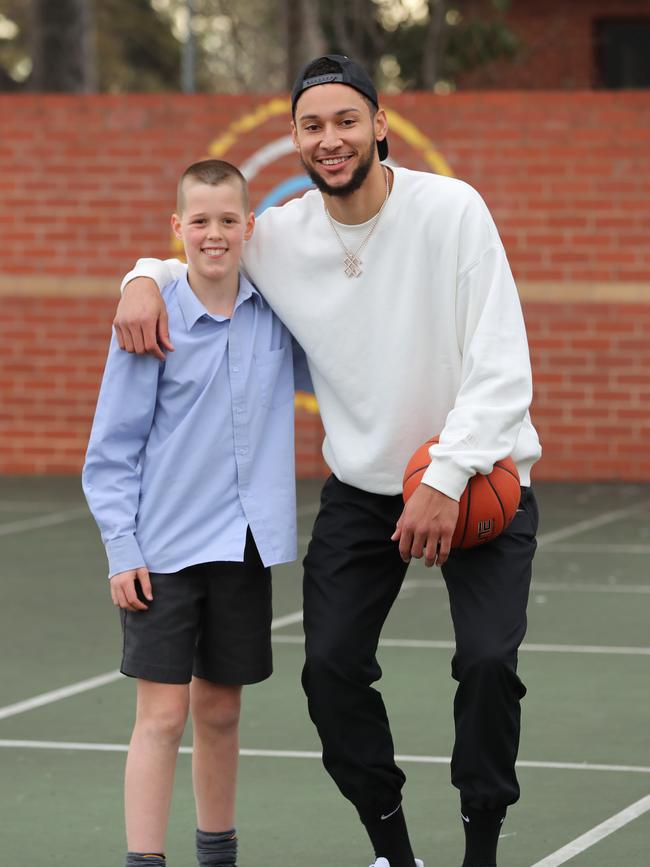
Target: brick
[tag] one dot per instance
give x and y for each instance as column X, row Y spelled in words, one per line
column 565, row 179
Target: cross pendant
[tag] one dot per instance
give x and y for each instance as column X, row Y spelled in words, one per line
column 352, row 265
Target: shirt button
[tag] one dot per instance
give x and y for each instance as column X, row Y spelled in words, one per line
column 243, row 451
column 235, row 369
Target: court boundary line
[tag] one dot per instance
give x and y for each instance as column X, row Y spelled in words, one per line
column 540, row 586
column 406, row 758
column 89, row 683
column 590, row 523
column 430, row 644
column 49, row 520
column 602, row 548
column 55, row 695
column 596, row 834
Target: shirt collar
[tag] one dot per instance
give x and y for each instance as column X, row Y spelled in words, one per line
column 192, row 309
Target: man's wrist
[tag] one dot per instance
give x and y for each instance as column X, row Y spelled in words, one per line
column 150, row 284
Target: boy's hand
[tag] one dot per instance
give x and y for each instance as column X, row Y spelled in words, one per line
column 426, row 526
column 140, row 322
column 123, row 589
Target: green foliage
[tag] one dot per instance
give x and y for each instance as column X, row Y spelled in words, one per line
column 246, row 45
column 136, row 49
column 15, row 63
column 477, row 42
column 480, row 36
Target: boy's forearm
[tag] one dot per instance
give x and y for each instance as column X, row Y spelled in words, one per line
column 110, row 477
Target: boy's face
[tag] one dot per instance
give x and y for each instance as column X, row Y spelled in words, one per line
column 213, row 226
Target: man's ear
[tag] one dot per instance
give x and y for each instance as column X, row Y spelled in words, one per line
column 294, row 136
column 381, row 125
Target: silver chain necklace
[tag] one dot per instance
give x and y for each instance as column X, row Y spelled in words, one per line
column 352, row 263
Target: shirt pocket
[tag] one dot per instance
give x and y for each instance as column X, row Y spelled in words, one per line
column 275, row 377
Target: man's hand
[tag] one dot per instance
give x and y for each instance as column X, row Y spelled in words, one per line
column 141, row 320
column 123, row 589
column 426, row 526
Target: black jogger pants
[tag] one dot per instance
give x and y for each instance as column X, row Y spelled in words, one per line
column 353, row 573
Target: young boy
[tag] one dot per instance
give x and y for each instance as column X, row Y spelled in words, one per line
column 190, row 476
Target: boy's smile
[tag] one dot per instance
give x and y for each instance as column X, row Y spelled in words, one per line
column 214, row 252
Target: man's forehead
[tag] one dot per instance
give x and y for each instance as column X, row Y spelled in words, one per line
column 328, row 99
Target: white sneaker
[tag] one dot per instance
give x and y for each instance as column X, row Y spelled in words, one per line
column 382, row 862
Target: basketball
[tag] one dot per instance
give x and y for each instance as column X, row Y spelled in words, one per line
column 487, row 504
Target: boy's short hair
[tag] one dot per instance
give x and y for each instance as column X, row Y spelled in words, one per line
column 212, row 172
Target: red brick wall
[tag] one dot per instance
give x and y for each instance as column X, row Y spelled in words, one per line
column 557, row 39
column 88, row 183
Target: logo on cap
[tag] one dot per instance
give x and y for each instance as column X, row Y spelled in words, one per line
column 322, row 79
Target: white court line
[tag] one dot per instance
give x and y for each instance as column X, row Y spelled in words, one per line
column 427, row 644
column 316, row 754
column 546, row 586
column 575, row 587
column 287, row 620
column 58, row 694
column 590, row 524
column 43, row 521
column 566, row 853
column 30, row 505
column 82, row 511
column 102, row 680
column 29, row 508
column 613, row 548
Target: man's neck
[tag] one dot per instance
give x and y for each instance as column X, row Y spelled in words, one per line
column 219, row 297
column 362, row 205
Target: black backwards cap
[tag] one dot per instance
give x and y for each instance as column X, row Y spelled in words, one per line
column 349, row 73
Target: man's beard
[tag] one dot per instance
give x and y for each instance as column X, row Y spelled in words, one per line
column 356, row 181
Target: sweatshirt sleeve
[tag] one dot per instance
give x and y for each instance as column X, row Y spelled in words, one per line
column 161, row 271
column 111, row 473
column 496, row 382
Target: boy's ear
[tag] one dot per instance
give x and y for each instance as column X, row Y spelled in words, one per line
column 176, row 226
column 250, row 225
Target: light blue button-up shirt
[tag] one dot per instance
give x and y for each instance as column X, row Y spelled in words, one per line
column 184, row 455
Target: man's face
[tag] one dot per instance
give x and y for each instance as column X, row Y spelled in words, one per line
column 335, row 135
column 213, row 226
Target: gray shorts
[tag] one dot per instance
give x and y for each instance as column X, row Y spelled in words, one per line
column 212, row 620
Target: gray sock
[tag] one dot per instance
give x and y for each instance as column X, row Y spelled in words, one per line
column 145, row 859
column 216, row 849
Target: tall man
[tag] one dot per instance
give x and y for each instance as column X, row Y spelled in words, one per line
column 397, row 286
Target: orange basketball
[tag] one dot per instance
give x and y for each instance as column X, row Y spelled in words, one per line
column 487, row 505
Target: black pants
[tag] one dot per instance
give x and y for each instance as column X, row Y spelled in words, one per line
column 353, row 573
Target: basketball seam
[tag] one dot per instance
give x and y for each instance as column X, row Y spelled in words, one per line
column 496, row 494
column 417, row 470
column 506, row 470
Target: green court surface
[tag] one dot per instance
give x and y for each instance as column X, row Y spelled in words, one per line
column 585, row 751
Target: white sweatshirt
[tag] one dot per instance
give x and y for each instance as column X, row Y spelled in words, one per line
column 430, row 339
